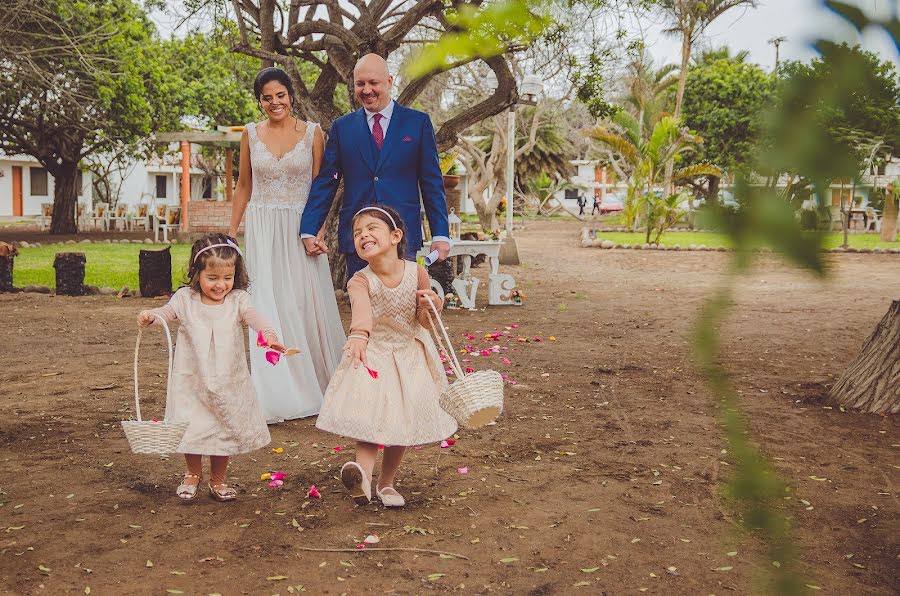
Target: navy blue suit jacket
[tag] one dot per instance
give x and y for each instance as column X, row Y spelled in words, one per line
column 406, row 165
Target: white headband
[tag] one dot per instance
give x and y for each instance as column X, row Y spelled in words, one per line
column 394, row 223
column 227, row 244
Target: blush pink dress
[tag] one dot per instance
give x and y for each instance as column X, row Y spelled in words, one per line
column 211, row 387
column 401, row 406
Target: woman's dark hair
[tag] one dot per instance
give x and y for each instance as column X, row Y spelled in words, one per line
column 226, row 254
column 380, row 215
column 269, row 74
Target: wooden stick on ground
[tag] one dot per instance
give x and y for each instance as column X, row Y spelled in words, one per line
column 383, row 548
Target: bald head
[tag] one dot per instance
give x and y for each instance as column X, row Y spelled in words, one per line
column 372, row 82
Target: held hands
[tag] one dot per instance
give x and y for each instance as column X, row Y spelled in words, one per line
column 315, row 246
column 355, row 348
column 145, row 318
column 442, row 247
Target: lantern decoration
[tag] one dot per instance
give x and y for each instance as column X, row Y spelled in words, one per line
column 455, row 224
column 452, row 301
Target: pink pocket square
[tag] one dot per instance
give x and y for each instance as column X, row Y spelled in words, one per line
column 407, row 139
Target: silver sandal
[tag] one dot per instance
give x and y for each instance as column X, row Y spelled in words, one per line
column 187, row 492
column 222, row 492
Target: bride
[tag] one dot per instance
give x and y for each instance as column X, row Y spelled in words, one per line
column 279, row 158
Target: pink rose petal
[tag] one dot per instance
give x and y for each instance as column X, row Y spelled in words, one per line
column 313, row 493
column 260, row 340
column 372, row 373
column 463, row 470
column 506, row 361
column 469, row 369
column 278, row 475
column 360, row 546
column 338, row 448
column 273, row 357
column 444, row 444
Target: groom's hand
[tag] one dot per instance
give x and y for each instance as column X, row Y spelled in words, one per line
column 442, row 247
column 314, row 247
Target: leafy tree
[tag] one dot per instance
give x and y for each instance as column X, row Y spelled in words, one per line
column 861, row 128
column 78, row 79
column 688, row 19
column 725, row 102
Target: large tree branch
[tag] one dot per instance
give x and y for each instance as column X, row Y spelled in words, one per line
column 505, row 96
column 410, row 19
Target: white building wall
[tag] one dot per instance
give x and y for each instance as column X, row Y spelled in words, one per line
column 31, row 204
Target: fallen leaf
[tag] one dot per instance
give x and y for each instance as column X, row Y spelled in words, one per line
column 372, row 539
column 580, row 584
column 177, row 573
column 590, row 570
column 723, row 568
column 813, row 587
column 635, row 540
column 149, row 563
column 103, row 387
column 275, row 578
column 732, row 553
column 435, row 576
column 509, row 560
column 135, row 526
column 173, row 591
column 44, row 568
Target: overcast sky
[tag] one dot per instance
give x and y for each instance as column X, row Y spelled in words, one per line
column 801, row 21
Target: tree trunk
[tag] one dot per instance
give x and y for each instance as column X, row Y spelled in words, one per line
column 336, row 259
column 871, row 383
column 712, row 192
column 69, row 273
column 65, row 197
column 6, row 273
column 155, row 272
column 889, row 219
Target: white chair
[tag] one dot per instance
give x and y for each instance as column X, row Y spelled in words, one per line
column 140, row 217
column 46, row 215
column 118, row 215
column 171, row 220
column 100, row 216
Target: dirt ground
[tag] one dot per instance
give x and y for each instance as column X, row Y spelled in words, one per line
column 604, row 471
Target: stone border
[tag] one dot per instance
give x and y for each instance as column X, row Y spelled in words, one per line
column 26, row 244
column 588, row 242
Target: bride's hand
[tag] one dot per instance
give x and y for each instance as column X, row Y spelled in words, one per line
column 313, row 247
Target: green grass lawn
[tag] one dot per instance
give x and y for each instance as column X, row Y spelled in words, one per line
column 713, row 239
column 116, row 265
column 113, row 265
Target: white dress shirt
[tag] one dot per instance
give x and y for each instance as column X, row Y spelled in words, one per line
column 386, row 115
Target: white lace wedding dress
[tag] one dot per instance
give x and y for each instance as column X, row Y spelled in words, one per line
column 292, row 289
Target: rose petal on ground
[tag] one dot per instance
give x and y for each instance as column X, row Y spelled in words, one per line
column 444, row 444
column 313, row 493
column 372, row 539
column 278, row 475
column 462, row 470
column 338, row 448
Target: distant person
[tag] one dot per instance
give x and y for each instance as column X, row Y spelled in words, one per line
column 596, row 208
column 582, row 203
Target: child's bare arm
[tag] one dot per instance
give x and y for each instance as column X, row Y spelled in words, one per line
column 423, row 294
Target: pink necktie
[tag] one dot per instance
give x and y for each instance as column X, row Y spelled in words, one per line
column 377, row 132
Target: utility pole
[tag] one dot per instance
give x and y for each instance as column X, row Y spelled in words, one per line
column 776, row 41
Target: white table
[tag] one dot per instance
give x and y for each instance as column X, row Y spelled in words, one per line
column 500, row 285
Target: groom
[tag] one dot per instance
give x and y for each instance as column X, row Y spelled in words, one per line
column 386, row 153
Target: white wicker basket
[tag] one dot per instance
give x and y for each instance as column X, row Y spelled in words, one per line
column 474, row 399
column 153, row 436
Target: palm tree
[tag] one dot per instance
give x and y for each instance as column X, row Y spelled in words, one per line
column 647, row 89
column 709, row 55
column 647, row 159
column 689, row 19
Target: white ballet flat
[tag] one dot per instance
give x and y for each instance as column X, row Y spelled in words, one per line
column 390, row 497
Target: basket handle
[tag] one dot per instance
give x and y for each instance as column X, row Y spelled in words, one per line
column 137, row 345
column 454, row 362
